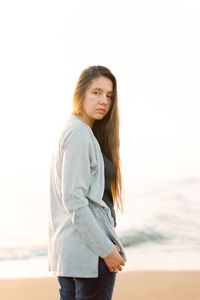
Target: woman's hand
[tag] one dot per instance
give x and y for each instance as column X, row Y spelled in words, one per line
column 114, row 260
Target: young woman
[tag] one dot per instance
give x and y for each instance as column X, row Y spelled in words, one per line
column 85, row 252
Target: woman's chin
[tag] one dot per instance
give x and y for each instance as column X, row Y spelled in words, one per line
column 99, row 116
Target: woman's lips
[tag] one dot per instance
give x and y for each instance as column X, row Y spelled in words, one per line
column 101, row 111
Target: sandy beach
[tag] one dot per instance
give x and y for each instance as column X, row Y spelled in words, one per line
column 136, row 285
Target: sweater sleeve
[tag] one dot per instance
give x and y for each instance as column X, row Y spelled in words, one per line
column 76, row 175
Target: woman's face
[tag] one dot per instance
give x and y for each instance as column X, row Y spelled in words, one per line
column 97, row 101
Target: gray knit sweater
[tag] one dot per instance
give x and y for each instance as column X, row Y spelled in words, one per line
column 81, row 227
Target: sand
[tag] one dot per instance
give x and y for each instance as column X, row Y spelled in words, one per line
column 137, row 285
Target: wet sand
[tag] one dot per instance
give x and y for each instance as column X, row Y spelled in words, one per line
column 136, row 285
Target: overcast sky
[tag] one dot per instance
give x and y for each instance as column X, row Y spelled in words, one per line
column 153, row 49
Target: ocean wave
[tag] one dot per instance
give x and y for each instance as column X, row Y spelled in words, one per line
column 138, row 237
column 22, row 252
column 128, row 239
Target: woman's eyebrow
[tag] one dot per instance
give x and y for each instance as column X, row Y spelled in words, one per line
column 96, row 88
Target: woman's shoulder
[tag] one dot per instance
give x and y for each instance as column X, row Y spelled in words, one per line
column 75, row 129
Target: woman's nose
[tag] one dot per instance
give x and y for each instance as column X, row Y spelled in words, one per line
column 104, row 99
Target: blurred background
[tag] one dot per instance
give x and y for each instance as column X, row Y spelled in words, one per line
column 153, row 49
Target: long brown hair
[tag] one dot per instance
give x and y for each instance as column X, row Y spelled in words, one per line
column 106, row 130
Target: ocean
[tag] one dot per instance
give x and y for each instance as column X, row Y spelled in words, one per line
column 159, row 228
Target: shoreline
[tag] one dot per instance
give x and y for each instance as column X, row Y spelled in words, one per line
column 130, row 285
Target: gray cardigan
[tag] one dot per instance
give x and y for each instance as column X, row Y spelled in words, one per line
column 81, row 227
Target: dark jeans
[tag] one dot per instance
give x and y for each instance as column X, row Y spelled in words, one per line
column 100, row 288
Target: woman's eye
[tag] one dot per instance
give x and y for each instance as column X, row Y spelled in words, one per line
column 97, row 93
